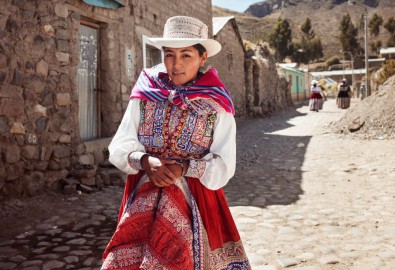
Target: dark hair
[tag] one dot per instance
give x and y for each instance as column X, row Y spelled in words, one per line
column 200, row 49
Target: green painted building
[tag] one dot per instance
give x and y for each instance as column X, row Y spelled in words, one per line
column 297, row 82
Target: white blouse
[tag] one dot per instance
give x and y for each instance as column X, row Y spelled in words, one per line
column 220, row 162
column 316, row 89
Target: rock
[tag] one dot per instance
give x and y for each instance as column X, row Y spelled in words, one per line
column 53, row 265
column 356, row 125
column 70, row 189
column 287, row 262
column 85, row 188
column 63, row 99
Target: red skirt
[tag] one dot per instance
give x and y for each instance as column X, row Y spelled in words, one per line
column 157, row 229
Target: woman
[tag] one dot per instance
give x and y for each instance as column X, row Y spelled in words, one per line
column 177, row 144
column 316, row 100
column 343, row 97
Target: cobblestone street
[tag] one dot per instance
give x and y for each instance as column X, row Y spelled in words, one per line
column 303, row 198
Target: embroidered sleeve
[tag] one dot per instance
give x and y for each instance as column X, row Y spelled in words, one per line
column 196, row 168
column 125, row 140
column 134, row 160
column 219, row 165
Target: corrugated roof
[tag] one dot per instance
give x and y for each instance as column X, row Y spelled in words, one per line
column 291, row 65
column 219, row 23
column 338, row 72
column 387, row 50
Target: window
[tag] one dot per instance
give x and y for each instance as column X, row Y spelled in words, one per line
column 151, row 55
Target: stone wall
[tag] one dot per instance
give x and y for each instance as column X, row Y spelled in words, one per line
column 267, row 89
column 229, row 63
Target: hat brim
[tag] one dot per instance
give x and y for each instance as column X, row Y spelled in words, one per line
column 212, row 46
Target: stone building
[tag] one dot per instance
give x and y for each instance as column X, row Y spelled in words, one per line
column 66, row 67
column 229, row 62
column 257, row 87
column 296, row 81
column 267, row 89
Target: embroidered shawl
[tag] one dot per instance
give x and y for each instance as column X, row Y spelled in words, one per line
column 205, row 94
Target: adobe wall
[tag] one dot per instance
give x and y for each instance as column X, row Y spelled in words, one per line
column 229, row 63
column 267, row 89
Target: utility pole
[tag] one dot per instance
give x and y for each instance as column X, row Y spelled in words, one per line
column 367, row 89
column 352, row 66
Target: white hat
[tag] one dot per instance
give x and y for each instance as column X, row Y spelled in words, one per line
column 183, row 31
column 314, row 82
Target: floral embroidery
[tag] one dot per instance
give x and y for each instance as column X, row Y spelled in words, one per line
column 170, row 132
column 196, row 168
column 134, row 160
column 155, row 232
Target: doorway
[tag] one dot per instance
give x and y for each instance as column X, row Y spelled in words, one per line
column 88, row 95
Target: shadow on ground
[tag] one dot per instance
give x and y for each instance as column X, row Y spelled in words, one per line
column 268, row 170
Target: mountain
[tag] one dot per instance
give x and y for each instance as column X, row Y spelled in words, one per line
column 325, row 16
column 263, row 8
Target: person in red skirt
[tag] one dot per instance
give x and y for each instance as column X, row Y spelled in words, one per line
column 316, row 97
column 177, row 144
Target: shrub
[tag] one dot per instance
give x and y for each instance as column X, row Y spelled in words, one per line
column 386, row 71
column 334, row 60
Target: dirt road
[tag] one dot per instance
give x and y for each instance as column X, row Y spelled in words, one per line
column 303, row 198
column 308, row 199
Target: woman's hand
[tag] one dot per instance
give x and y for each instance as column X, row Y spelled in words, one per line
column 161, row 172
column 176, row 169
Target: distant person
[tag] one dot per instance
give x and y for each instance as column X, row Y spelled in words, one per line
column 343, row 96
column 316, row 97
column 362, row 91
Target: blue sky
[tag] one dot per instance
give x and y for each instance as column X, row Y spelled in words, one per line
column 236, row 5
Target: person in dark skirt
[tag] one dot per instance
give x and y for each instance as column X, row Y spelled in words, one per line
column 343, row 96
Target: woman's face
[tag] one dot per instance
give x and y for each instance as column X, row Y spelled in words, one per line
column 182, row 64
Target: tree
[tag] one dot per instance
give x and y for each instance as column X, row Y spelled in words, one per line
column 375, row 46
column 309, row 47
column 299, row 54
column 280, row 38
column 374, row 25
column 316, row 49
column 307, row 29
column 374, row 29
column 387, row 71
column 390, row 27
column 348, row 35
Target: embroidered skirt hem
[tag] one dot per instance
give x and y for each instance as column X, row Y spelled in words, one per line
column 158, row 228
